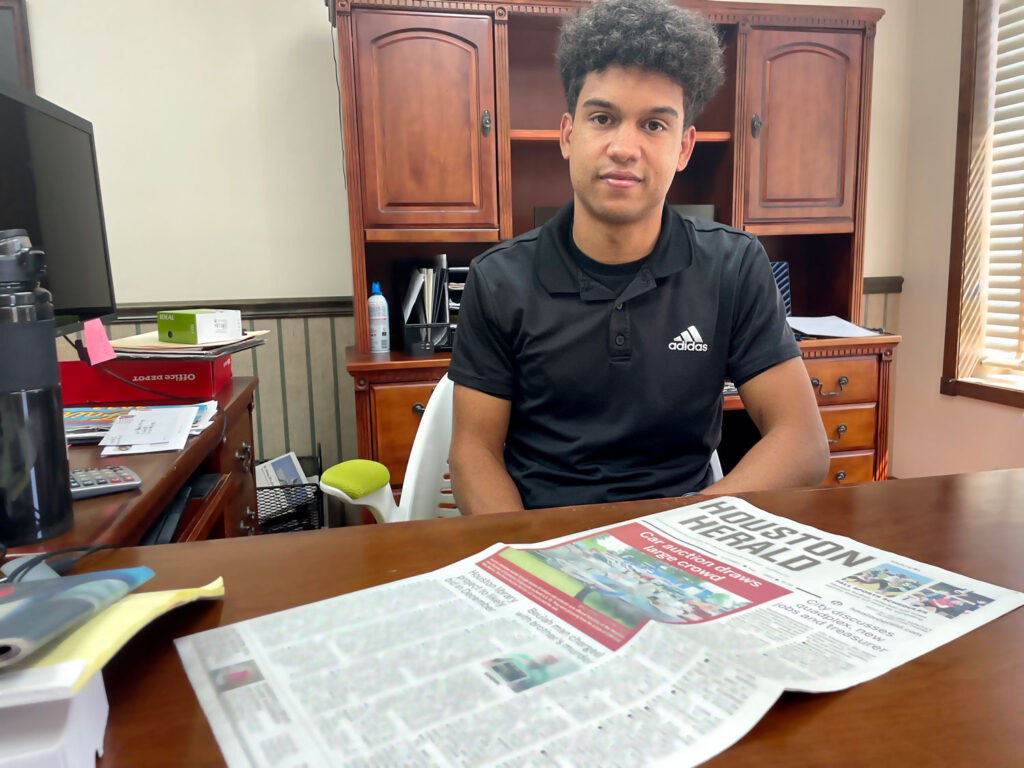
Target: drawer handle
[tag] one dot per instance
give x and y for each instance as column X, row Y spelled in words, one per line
column 840, row 476
column 843, row 381
column 418, row 409
column 839, row 433
column 244, row 455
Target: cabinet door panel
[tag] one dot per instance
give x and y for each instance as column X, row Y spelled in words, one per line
column 424, row 82
column 804, row 88
column 397, row 409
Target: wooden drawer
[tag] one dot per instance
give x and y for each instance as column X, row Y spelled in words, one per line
column 852, row 467
column 844, row 380
column 234, row 457
column 849, row 427
column 397, row 409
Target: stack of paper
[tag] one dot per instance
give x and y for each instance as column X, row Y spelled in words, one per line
column 828, row 326
column 147, row 345
column 90, row 424
column 155, row 429
column 53, row 707
column 426, row 298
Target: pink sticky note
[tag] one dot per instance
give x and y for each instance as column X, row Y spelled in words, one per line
column 97, row 345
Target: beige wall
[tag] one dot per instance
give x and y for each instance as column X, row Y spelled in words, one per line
column 217, row 135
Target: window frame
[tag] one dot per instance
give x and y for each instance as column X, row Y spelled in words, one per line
column 972, row 127
column 22, row 50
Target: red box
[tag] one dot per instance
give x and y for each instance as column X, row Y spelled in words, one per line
column 82, row 383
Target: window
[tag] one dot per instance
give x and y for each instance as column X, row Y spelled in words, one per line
column 984, row 353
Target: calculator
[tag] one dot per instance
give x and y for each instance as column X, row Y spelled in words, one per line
column 97, row 481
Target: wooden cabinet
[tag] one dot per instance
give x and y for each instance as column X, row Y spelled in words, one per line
column 850, row 378
column 390, row 397
column 233, row 458
column 803, row 96
column 425, row 84
column 398, row 408
column 227, row 509
column 423, row 178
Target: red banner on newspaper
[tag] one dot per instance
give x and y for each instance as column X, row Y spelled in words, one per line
column 609, row 585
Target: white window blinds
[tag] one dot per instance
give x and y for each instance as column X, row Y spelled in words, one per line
column 1002, row 352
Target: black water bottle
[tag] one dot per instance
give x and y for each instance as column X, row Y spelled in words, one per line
column 35, row 495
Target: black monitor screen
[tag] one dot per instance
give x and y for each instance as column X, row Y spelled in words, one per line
column 49, row 187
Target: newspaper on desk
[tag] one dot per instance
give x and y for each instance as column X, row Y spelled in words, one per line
column 660, row 641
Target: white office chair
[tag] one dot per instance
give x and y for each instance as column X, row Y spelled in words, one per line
column 427, row 490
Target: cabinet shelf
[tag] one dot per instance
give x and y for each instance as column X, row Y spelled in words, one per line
column 529, row 134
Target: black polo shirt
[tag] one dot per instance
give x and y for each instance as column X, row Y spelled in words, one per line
column 617, row 397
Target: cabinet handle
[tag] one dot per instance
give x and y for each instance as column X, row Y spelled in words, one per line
column 839, row 433
column 843, row 381
column 485, row 123
column 244, row 455
column 755, row 125
column 840, row 476
column 418, row 409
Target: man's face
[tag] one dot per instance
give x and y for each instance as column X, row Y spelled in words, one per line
column 625, row 144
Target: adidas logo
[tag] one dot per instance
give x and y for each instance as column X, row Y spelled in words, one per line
column 688, row 341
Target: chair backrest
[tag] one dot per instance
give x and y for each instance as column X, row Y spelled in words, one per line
column 427, row 488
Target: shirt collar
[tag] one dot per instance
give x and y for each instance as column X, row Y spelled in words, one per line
column 558, row 273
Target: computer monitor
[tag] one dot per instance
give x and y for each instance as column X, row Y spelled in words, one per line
column 49, row 186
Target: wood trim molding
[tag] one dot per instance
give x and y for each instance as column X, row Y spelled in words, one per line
column 814, row 349
column 822, row 17
column 860, row 193
column 497, row 8
column 327, row 306
column 962, row 159
column 988, row 392
column 353, row 177
column 21, row 42
column 504, row 128
column 971, row 129
column 882, row 416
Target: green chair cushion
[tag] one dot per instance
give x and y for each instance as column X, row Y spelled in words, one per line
column 357, row 477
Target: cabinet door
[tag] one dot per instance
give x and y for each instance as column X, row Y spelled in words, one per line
column 397, row 409
column 425, row 96
column 803, row 102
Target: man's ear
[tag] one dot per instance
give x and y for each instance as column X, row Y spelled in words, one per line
column 686, row 147
column 565, row 134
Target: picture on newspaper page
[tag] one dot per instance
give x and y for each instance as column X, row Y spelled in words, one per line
column 659, row 641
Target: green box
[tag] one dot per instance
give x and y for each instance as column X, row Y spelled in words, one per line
column 199, row 326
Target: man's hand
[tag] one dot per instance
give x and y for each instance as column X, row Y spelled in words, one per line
column 793, row 449
column 480, row 482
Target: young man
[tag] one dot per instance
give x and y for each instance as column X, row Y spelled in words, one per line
column 591, row 352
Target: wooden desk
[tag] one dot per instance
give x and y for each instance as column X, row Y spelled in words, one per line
column 958, row 705
column 122, row 518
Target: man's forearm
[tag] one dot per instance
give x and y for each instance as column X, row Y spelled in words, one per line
column 482, row 485
column 783, row 460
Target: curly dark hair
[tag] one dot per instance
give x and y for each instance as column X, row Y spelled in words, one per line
column 650, row 34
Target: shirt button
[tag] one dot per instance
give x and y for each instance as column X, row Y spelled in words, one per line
column 619, row 340
column 618, row 306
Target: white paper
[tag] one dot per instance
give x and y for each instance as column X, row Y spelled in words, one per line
column 152, row 426
column 284, row 470
column 829, row 325
column 411, row 294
